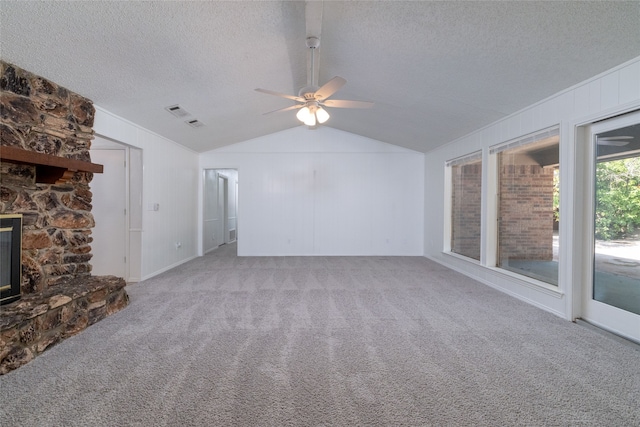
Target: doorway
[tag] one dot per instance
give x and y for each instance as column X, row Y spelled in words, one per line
column 220, row 203
column 611, row 298
column 117, row 210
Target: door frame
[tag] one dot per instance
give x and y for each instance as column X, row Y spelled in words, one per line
column 613, row 319
column 225, row 209
column 133, row 228
column 207, row 197
column 119, row 199
column 225, row 176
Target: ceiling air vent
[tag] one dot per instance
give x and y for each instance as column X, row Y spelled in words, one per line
column 177, row 111
column 195, row 123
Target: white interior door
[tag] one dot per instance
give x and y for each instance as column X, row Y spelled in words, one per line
column 210, row 199
column 222, row 201
column 109, row 204
column 611, row 298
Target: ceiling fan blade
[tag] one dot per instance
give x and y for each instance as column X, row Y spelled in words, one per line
column 282, row 95
column 293, row 107
column 329, row 88
column 341, row 103
column 616, row 141
column 614, row 138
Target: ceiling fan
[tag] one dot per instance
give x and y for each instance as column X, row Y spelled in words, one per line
column 616, row 141
column 311, row 99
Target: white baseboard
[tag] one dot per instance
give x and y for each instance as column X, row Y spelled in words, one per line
column 155, row 273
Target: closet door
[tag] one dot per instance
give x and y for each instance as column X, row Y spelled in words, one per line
column 109, row 246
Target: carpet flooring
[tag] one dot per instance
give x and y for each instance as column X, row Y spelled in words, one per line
column 326, row 341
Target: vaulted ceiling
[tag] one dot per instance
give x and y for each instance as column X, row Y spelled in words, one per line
column 435, row 70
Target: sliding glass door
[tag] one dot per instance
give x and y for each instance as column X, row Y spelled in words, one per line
column 612, row 297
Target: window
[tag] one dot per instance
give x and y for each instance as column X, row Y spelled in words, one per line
column 528, row 211
column 466, row 190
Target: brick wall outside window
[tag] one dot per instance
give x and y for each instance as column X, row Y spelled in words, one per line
column 526, row 212
column 466, row 209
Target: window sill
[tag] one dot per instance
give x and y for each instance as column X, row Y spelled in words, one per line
column 518, row 279
column 462, row 257
column 529, row 282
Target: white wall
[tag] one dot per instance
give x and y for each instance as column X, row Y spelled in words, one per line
column 325, row 192
column 611, row 93
column 170, row 180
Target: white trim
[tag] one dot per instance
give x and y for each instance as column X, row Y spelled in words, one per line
column 573, row 178
column 129, row 266
column 165, row 269
column 468, row 158
column 448, row 209
column 530, row 282
column 567, row 194
column 613, row 319
column 471, row 158
column 489, row 217
column 462, row 257
column 492, row 242
column 525, row 139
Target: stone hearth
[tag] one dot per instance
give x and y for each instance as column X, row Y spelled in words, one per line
column 38, row 321
column 60, row 297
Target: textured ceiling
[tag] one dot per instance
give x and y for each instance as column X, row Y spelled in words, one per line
column 435, row 70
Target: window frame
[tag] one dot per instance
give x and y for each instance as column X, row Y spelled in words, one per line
column 491, row 258
column 448, row 204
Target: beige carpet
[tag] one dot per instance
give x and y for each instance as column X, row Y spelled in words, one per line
column 319, row 341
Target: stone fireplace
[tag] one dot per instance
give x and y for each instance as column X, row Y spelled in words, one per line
column 45, row 171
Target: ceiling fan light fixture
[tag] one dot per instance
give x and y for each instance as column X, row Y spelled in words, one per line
column 303, row 114
column 312, row 98
column 322, row 115
column 311, row 114
column 311, row 120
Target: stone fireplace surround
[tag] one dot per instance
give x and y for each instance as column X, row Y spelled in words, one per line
column 60, row 297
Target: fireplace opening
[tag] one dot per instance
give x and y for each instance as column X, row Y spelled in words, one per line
column 10, row 257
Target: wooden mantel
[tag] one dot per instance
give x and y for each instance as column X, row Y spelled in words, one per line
column 49, row 169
